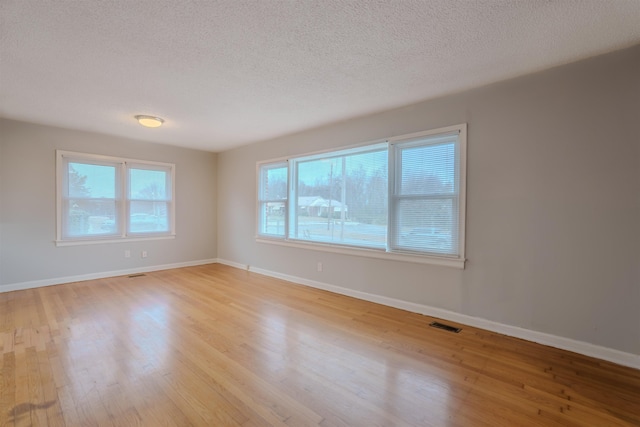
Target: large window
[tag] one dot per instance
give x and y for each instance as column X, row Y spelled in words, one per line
column 104, row 198
column 403, row 198
column 341, row 197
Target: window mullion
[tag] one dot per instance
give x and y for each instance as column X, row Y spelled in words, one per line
column 393, row 167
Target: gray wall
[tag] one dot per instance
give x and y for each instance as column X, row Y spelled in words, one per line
column 28, row 203
column 553, row 204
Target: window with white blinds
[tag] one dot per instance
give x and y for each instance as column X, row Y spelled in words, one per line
column 404, row 197
column 425, row 200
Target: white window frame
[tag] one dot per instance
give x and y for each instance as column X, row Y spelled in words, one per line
column 122, row 199
column 390, row 252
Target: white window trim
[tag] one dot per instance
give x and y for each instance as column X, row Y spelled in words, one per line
column 93, row 240
column 395, row 255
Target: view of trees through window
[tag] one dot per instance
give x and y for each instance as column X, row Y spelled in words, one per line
column 342, row 199
column 91, row 204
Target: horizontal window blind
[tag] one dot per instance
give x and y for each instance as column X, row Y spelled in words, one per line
column 425, row 195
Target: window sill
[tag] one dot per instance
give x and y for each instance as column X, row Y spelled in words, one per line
column 369, row 253
column 111, row 240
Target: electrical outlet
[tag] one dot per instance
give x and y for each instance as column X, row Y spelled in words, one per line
column 319, row 266
column 127, row 253
column 143, row 254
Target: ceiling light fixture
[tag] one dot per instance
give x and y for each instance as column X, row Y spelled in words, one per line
column 149, row 121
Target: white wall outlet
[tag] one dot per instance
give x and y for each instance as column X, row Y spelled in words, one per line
column 143, row 254
column 319, row 266
column 127, row 253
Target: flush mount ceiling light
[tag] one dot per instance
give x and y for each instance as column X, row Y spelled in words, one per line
column 149, row 121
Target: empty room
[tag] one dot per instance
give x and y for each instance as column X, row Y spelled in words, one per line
column 320, row 213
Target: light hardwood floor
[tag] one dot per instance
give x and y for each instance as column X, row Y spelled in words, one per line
column 217, row 346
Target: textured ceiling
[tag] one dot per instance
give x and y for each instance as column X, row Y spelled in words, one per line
column 230, row 72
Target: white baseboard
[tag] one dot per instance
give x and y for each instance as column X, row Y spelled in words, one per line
column 581, row 347
column 239, row 266
column 101, row 275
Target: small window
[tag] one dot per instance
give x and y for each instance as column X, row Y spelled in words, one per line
column 272, row 199
column 104, row 198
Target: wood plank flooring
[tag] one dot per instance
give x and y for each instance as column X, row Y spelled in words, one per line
column 217, row 346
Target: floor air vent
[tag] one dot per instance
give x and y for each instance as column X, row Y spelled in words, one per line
column 136, row 275
column 445, row 327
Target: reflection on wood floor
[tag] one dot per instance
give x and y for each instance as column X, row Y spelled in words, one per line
column 217, row 346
